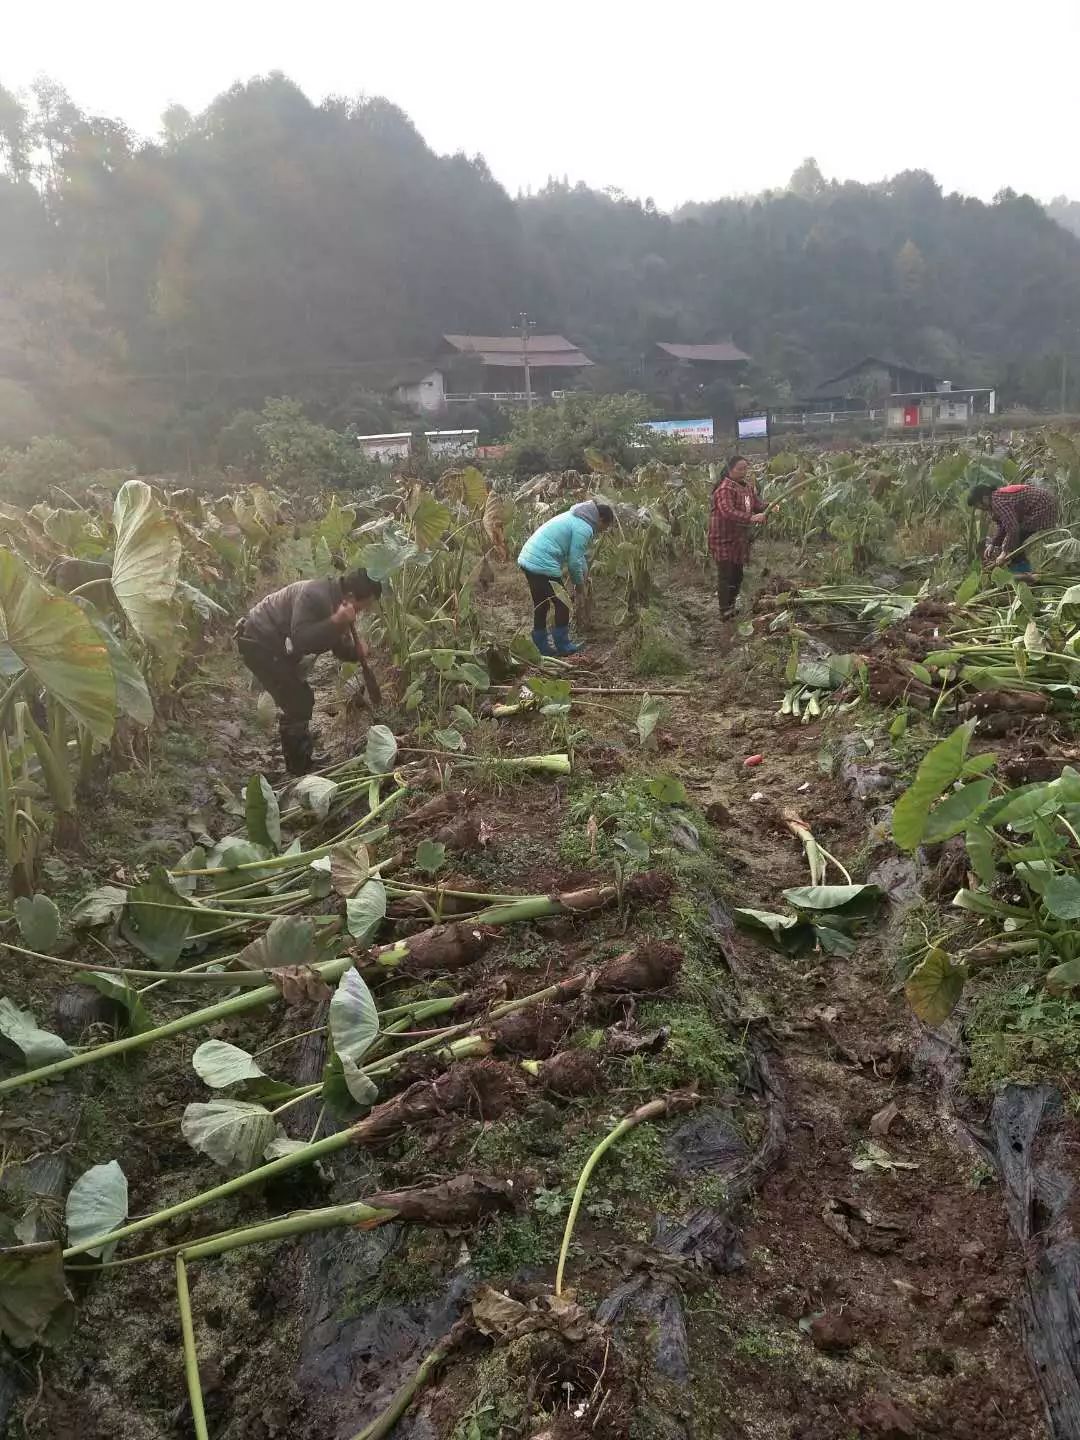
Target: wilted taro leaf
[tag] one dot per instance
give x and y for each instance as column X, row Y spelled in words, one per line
column 157, row 919
column 39, row 922
column 353, row 1018
column 116, row 989
column 19, row 1031
column 230, row 1132
column 381, row 751
column 832, row 897
column 349, row 866
column 219, row 1065
column 34, row 1298
column 98, row 907
column 233, row 854
column 430, row 856
column 96, row 1204
column 289, row 940
column 315, row 794
column 365, row 912
column 934, row 987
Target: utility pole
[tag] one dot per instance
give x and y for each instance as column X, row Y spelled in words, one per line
column 525, row 326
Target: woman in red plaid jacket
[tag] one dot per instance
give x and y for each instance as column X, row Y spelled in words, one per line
column 736, row 507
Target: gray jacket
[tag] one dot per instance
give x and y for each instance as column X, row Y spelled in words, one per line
column 299, row 613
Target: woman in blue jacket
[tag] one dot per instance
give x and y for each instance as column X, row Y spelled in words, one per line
column 560, row 544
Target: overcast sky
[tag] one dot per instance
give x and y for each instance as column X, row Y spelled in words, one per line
column 689, row 100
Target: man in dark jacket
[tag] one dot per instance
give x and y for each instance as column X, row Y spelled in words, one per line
column 305, row 618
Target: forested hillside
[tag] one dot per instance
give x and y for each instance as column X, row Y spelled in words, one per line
column 149, row 289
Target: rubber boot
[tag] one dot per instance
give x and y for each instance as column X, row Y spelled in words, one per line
column 296, row 747
column 542, row 642
column 563, row 644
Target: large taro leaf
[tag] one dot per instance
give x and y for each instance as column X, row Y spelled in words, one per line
column 1061, row 897
column 98, row 907
column 230, row 854
column 353, row 1018
column 96, row 1204
column 132, row 696
column 39, row 922
column 382, row 559
column 19, row 1032
column 1063, row 977
column 233, row 1133
column 262, row 813
column 789, row 933
column 364, row 913
column 934, row 987
column 146, row 564
column 158, row 919
column 349, row 867
column 219, row 1065
column 34, row 1297
column 53, row 638
column 468, row 486
column 430, row 519
column 956, row 812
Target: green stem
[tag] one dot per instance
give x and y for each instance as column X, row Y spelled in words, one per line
column 301, row 1223
column 652, row 1111
column 403, row 1397
column 191, row 1359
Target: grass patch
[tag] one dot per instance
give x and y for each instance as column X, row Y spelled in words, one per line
column 1017, row 1032
column 656, row 655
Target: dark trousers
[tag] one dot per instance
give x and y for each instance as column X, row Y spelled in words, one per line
column 729, row 575
column 543, row 594
column 280, row 677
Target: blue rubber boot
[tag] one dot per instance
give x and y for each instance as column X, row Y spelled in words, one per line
column 563, row 644
column 542, row 642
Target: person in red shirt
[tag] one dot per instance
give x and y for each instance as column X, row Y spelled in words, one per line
column 1018, row 512
column 736, row 509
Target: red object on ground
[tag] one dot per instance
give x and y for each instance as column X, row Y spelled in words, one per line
column 753, row 760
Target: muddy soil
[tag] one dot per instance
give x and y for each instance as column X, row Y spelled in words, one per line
column 819, row 1251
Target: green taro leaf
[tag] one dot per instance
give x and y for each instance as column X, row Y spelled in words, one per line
column 636, row 846
column 347, row 1091
column 956, row 811
column 934, row 987
column 524, row 649
column 815, row 673
column 39, row 922
column 788, row 933
column 475, row 676
column 53, row 638
column 382, row 559
column 315, row 794
column 132, row 696
column 832, row 941
column 19, row 1031
column 1061, row 898
column 157, row 919
column 231, row 1132
column 976, row 903
column 430, row 520
column 365, row 912
column 939, row 769
column 463, row 719
column 982, row 848
column 546, row 688
column 969, row 587
column 116, row 989
column 667, row 790
column 33, row 1293
column 832, row 897
column 96, row 1204
column 146, row 564
column 219, row 1065
column 98, row 907
column 262, row 814
column 430, row 856
column 381, row 751
column 450, row 739
column 648, row 718
column 231, row 853
column 353, row 1018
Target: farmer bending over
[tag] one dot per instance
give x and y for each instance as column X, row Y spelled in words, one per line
column 560, row 544
column 305, row 618
column 1019, row 512
column 736, row 507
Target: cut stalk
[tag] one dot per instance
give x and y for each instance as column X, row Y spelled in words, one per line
column 403, row 1397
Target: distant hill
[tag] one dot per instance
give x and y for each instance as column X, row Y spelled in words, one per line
column 1066, row 212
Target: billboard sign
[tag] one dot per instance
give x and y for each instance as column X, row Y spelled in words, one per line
column 754, row 427
column 690, row 432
